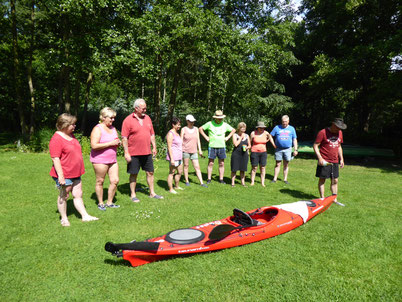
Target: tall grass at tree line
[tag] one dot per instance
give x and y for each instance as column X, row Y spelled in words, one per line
column 348, row 253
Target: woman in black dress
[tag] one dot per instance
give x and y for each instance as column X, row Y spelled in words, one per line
column 239, row 160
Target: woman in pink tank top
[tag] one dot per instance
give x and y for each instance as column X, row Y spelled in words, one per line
column 191, row 149
column 174, row 155
column 104, row 143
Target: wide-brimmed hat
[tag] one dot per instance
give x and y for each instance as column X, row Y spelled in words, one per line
column 339, row 123
column 190, row 118
column 219, row 114
column 260, row 125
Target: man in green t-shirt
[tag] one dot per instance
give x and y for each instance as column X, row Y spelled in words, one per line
column 217, row 129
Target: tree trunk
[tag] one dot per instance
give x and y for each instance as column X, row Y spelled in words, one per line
column 172, row 103
column 29, row 71
column 87, row 91
column 76, row 103
column 16, row 72
column 157, row 94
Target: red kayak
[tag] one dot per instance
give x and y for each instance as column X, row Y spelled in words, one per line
column 239, row 229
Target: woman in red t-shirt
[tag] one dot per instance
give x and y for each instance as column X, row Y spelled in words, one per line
column 68, row 166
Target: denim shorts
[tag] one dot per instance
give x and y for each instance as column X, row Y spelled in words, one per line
column 216, row 153
column 69, row 181
column 283, row 154
column 191, row 156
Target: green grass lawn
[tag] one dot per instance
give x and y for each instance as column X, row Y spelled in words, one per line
column 350, row 253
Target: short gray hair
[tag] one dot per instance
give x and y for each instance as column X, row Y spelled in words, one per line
column 137, row 102
column 285, row 117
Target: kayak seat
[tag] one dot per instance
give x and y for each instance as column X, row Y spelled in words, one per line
column 243, row 218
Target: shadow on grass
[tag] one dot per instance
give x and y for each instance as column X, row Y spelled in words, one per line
column 117, row 262
column 125, row 188
column 386, row 165
column 297, row 194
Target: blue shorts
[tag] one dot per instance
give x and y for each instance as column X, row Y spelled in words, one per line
column 69, row 181
column 216, row 153
column 283, row 154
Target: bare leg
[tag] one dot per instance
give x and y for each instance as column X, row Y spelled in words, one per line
column 285, row 170
column 100, row 173
column 221, row 168
column 233, row 177
column 150, row 181
column 243, row 178
column 62, row 205
column 321, row 187
column 133, row 184
column 178, row 176
column 197, row 169
column 79, row 203
column 262, row 172
column 334, row 185
column 209, row 169
column 114, row 180
column 186, row 162
column 253, row 172
column 172, row 170
column 277, row 169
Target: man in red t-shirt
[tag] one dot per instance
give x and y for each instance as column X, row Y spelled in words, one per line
column 327, row 147
column 137, row 136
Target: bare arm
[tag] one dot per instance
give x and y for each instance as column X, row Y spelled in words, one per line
column 95, row 140
column 169, row 140
column 203, row 134
column 127, row 155
column 59, row 170
column 295, row 145
column 230, row 135
column 318, row 154
column 271, row 139
column 199, row 142
column 340, row 153
column 236, row 139
column 249, row 144
column 153, row 143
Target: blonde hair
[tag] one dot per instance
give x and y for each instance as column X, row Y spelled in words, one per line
column 241, row 125
column 106, row 112
column 65, row 120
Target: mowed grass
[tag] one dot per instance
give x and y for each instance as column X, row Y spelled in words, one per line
column 350, row 253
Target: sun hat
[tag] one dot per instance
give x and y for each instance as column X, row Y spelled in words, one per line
column 219, row 114
column 260, row 125
column 190, row 118
column 338, row 122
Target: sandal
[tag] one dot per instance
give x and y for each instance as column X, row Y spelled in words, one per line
column 89, row 218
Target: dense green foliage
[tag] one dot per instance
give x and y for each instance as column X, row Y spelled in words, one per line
column 250, row 58
column 348, row 253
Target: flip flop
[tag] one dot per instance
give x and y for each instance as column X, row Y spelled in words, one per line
column 157, row 197
column 135, row 199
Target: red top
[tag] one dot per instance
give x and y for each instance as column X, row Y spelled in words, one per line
column 70, row 155
column 329, row 144
column 139, row 136
column 259, row 143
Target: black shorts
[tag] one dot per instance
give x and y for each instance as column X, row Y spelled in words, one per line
column 144, row 162
column 330, row 171
column 258, row 158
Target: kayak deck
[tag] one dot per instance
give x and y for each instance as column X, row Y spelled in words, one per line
column 243, row 228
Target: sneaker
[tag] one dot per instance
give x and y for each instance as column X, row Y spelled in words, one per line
column 208, row 181
column 113, row 206
column 286, row 182
column 204, row 185
column 101, row 207
column 222, row 182
column 187, row 184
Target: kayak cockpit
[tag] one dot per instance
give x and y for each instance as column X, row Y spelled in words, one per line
column 254, row 219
